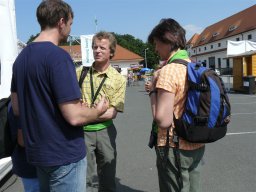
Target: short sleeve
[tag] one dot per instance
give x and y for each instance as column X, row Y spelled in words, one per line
column 166, row 79
column 119, row 96
column 64, row 80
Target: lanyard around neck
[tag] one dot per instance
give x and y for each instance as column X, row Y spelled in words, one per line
column 93, row 97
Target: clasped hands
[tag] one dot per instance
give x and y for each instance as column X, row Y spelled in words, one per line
column 101, row 106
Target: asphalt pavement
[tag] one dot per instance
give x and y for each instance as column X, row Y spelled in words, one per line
column 229, row 165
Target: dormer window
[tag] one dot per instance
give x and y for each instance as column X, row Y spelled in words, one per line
column 203, row 38
column 232, row 27
column 215, row 34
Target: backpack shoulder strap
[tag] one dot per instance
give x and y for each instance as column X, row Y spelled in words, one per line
column 82, row 76
column 184, row 62
column 4, row 102
column 180, row 61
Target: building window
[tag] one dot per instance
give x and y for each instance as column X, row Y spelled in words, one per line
column 211, row 62
column 219, row 63
column 199, row 49
column 205, row 48
column 194, row 51
column 219, row 44
column 215, row 34
column 232, row 28
column 249, row 37
column 227, row 63
column 204, row 63
column 211, row 46
column 203, row 39
column 237, row 39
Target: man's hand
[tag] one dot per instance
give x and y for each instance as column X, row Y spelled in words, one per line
column 102, row 106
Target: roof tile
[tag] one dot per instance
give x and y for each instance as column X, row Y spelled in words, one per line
column 242, row 21
column 121, row 53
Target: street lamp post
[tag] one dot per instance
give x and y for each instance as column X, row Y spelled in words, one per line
column 146, row 64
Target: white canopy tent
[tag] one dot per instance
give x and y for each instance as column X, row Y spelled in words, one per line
column 8, row 53
column 8, row 44
column 240, row 48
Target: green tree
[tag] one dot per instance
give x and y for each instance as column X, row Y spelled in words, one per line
column 32, row 37
column 127, row 41
column 70, row 41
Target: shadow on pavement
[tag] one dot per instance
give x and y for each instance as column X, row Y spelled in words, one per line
column 124, row 188
column 119, row 187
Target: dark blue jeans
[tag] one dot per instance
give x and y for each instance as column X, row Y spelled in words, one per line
column 30, row 184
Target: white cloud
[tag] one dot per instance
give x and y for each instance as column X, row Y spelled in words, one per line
column 191, row 30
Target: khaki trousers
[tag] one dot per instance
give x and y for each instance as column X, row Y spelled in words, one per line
column 168, row 173
column 101, row 155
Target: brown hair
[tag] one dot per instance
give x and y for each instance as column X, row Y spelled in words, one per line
column 170, row 32
column 49, row 12
column 106, row 35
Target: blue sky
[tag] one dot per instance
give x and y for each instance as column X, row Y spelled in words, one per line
column 135, row 17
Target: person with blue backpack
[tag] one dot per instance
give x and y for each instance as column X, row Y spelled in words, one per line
column 190, row 107
column 168, row 95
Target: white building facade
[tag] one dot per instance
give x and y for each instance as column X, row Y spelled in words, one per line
column 210, row 47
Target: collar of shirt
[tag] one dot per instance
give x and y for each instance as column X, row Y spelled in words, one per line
column 107, row 71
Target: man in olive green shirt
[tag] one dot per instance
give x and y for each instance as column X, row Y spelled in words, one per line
column 102, row 79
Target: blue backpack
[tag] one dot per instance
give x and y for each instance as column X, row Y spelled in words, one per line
column 207, row 109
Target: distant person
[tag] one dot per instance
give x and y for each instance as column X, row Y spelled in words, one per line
column 168, row 94
column 100, row 136
column 139, row 76
column 130, row 78
column 46, row 97
column 20, row 165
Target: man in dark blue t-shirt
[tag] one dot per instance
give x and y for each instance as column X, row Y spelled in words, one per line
column 20, row 165
column 46, row 96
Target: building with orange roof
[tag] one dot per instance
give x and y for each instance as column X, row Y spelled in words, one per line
column 210, row 46
column 123, row 58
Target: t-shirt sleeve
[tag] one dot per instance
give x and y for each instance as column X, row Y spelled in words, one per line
column 167, row 79
column 63, row 79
